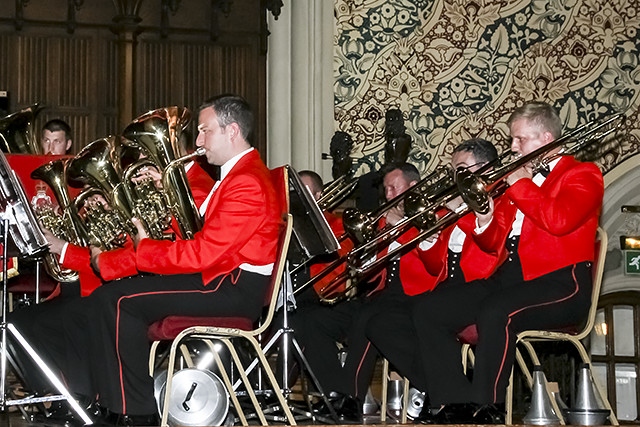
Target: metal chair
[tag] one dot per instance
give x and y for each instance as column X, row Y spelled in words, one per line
column 226, row 330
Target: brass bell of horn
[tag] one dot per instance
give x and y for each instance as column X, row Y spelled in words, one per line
column 17, row 134
column 541, row 411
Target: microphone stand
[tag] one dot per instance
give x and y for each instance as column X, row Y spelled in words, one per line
column 9, row 331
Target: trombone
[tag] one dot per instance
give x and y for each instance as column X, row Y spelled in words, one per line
column 361, row 227
column 438, row 184
column 336, row 191
column 475, row 189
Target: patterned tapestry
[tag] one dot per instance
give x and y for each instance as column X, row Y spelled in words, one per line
column 458, row 68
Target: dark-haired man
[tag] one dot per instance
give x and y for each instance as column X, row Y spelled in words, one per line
column 56, row 137
column 224, row 270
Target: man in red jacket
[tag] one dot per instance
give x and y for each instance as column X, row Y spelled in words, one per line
column 544, row 284
column 224, row 270
column 319, row 327
column 451, row 257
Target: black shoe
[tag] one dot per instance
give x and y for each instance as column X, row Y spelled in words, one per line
column 455, row 413
column 347, row 408
column 489, row 414
column 132, row 420
column 350, row 411
column 61, row 412
column 425, row 416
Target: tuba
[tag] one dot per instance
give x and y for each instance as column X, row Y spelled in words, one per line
column 67, row 225
column 17, row 134
column 157, row 134
column 149, row 204
column 98, row 166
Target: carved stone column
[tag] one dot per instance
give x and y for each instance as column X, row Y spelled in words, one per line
column 126, row 26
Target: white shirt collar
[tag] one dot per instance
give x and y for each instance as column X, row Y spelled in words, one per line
column 226, row 168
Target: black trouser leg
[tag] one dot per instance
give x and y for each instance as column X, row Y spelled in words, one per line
column 553, row 301
column 125, row 309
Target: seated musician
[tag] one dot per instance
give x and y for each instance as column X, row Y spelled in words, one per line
column 451, row 257
column 308, row 295
column 224, row 270
column 94, row 266
column 37, row 322
column 545, row 283
column 314, row 183
column 318, row 328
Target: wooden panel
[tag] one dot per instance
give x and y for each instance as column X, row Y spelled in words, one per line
column 186, row 74
column 77, row 74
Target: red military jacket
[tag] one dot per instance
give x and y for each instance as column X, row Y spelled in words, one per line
column 241, row 225
column 78, row 258
column 121, row 262
column 414, row 276
column 560, row 217
column 481, row 254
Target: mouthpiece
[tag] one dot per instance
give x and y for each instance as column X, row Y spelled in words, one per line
column 200, row 151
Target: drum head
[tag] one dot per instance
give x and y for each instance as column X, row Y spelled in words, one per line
column 198, row 398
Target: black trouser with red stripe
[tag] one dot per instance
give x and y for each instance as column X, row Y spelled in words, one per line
column 123, row 310
column 501, row 307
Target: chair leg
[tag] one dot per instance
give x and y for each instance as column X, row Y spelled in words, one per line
column 385, row 385
column 405, row 400
column 152, row 357
column 465, row 357
column 246, row 382
column 508, row 402
column 227, row 383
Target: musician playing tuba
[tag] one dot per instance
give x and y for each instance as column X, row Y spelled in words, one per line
column 96, row 265
column 544, row 284
column 224, row 271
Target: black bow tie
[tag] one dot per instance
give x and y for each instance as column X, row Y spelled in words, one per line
column 545, row 171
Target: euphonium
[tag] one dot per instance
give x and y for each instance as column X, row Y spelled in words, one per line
column 67, row 225
column 158, row 133
column 149, row 204
column 107, row 228
column 17, row 134
column 98, row 165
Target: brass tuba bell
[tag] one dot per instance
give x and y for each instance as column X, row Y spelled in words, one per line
column 17, row 134
column 158, row 133
column 67, row 225
column 98, row 165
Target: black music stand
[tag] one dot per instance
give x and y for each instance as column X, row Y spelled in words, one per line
column 311, row 237
column 19, row 222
